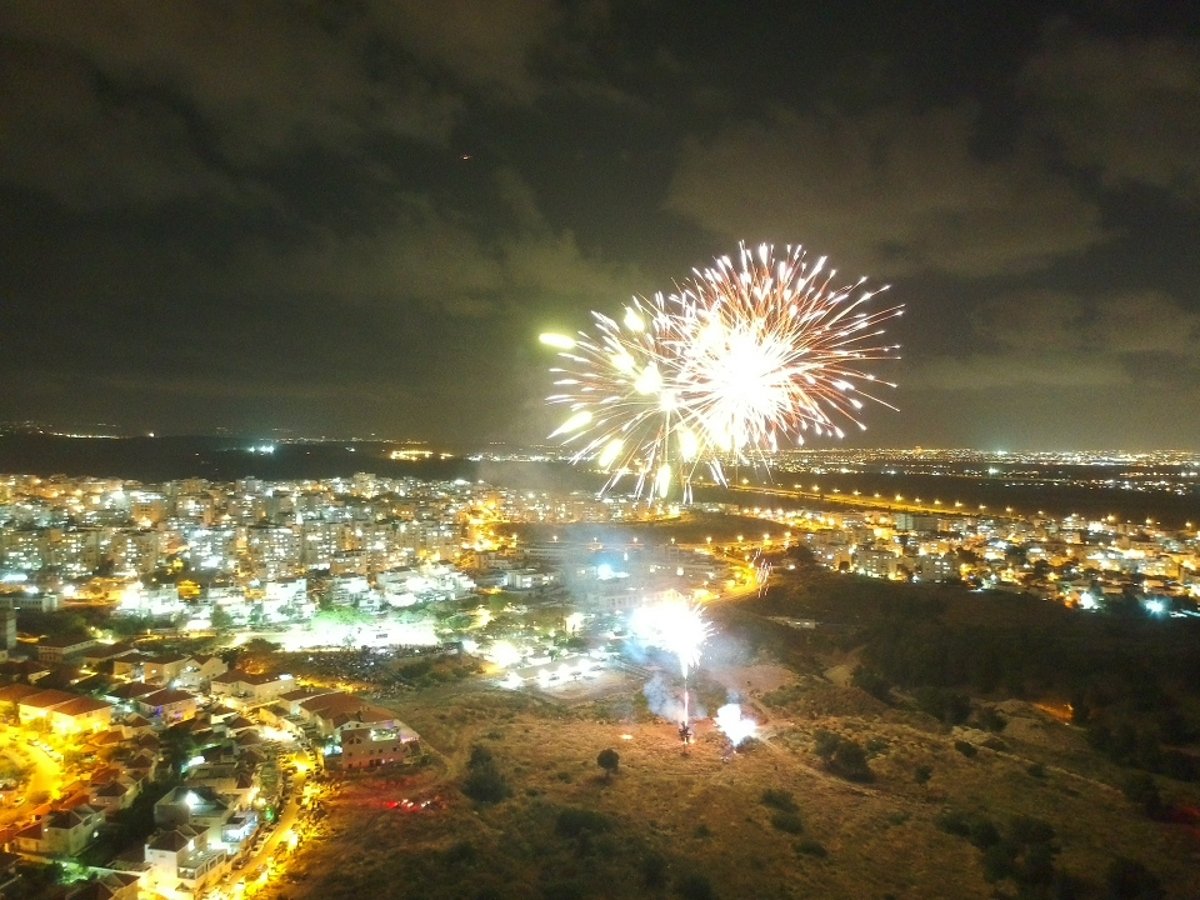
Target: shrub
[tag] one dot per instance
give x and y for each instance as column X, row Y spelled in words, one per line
column 825, row 744
column 780, row 800
column 982, row 833
column 809, row 847
column 486, row 785
column 694, row 886
column 1128, row 878
column 990, row 720
column 944, row 705
column 966, row 748
column 1036, row 770
column 999, row 861
column 1140, row 789
column 842, row 756
column 1028, row 830
column 788, row 821
column 922, row 774
column 484, row 781
column 573, row 822
column 873, row 683
column 609, row 760
column 460, row 854
column 954, row 822
column 654, row 871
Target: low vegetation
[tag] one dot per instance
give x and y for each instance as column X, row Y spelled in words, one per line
column 924, row 744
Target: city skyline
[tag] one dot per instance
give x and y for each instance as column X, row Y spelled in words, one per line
column 348, row 220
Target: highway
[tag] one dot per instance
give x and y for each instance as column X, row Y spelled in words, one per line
column 862, row 501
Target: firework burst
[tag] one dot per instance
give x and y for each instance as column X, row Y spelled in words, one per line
column 678, row 627
column 741, row 359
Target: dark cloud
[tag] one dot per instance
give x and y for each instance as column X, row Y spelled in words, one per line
column 1128, row 108
column 893, row 191
column 356, row 216
column 131, row 102
column 1045, row 340
column 492, row 47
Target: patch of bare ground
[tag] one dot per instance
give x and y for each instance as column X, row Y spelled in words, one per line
column 671, row 814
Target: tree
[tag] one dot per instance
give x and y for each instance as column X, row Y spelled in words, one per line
column 221, row 619
column 608, row 759
column 485, row 782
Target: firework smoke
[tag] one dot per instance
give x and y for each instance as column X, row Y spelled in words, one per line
column 734, row 725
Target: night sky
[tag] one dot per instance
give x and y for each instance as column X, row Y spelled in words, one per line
column 347, row 218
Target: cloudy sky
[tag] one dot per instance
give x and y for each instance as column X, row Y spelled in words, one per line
column 354, row 217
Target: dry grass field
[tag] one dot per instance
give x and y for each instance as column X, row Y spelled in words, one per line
column 693, row 824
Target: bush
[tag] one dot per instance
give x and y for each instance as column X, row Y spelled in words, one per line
column 966, row 748
column 694, row 886
column 843, row 756
column 1036, row 770
column 564, row 890
column 486, row 785
column 954, row 822
column 484, row 781
column 1140, row 789
column 810, row 847
column 1037, row 867
column 990, row 720
column 944, row 705
column 460, row 854
column 1128, row 878
column 873, row 683
column 982, row 833
column 787, row 821
column 1028, row 830
column 654, row 871
column 609, row 760
column 999, row 861
column 780, row 800
column 573, row 822
column 922, row 774
column 825, row 744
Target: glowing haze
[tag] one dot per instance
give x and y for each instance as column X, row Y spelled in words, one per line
column 676, row 626
column 742, row 358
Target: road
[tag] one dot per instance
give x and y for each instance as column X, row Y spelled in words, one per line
column 280, row 840
column 937, row 508
column 44, row 779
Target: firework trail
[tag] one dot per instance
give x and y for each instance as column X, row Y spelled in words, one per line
column 761, row 568
column 741, row 358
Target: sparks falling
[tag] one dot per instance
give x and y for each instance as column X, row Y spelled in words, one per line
column 742, row 359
